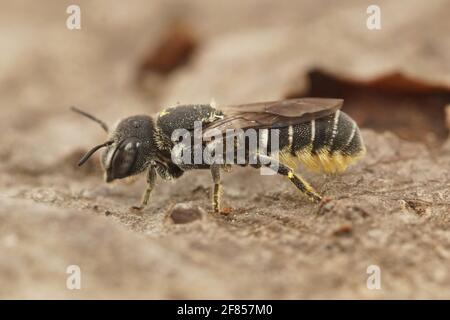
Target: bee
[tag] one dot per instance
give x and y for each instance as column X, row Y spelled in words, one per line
column 310, row 131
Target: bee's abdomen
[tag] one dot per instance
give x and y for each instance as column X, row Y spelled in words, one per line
column 327, row 144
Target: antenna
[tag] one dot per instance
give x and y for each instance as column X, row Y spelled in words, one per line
column 92, row 151
column 89, row 116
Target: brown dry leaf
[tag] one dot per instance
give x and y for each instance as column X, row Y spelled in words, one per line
column 174, row 50
column 411, row 108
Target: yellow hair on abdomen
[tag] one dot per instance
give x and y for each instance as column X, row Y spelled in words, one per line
column 320, row 161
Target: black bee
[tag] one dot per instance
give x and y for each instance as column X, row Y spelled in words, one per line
column 312, row 131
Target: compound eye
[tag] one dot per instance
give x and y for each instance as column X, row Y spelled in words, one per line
column 124, row 159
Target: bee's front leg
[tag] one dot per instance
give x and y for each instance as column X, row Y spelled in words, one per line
column 151, row 181
column 217, row 188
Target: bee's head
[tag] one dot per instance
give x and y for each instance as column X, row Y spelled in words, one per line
column 129, row 149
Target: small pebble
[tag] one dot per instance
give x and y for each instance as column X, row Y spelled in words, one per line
column 182, row 213
column 343, row 230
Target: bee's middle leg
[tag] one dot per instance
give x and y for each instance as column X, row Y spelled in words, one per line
column 217, row 188
column 298, row 181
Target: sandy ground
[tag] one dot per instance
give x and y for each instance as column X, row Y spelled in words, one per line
column 389, row 210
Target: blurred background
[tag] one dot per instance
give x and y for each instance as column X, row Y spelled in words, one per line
column 142, row 56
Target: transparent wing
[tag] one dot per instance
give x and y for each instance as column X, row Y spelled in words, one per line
column 272, row 114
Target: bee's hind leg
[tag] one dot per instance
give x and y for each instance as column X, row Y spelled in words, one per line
column 217, row 188
column 151, row 181
column 298, row 181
